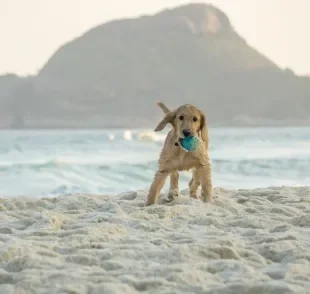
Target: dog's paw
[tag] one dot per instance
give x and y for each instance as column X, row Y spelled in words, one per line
column 173, row 193
column 207, row 200
column 194, row 195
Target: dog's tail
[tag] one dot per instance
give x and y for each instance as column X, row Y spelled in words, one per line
column 163, row 107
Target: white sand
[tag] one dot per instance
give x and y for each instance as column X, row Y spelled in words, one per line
column 246, row 241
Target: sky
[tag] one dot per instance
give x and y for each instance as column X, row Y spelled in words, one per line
column 32, row 30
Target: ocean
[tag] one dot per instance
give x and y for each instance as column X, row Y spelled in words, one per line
column 51, row 163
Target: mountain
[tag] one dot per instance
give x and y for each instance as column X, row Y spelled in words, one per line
column 113, row 75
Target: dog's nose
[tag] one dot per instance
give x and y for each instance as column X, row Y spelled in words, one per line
column 186, row 133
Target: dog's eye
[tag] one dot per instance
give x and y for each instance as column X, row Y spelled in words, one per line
column 181, row 117
column 195, row 118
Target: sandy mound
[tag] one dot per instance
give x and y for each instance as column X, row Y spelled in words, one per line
column 246, row 241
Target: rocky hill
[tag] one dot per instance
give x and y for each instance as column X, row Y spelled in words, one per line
column 113, row 75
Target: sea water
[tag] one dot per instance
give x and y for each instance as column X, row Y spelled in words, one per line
column 50, row 163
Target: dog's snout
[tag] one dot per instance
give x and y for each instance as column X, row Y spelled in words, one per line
column 186, row 133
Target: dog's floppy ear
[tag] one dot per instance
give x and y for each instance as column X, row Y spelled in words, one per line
column 204, row 130
column 167, row 119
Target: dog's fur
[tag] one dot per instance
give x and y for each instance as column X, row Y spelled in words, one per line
column 173, row 158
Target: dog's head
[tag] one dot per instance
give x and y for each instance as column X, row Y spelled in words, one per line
column 187, row 120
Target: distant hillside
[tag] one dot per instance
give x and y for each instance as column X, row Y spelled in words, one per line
column 8, row 108
column 114, row 74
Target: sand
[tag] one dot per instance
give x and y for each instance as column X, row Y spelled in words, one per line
column 246, row 241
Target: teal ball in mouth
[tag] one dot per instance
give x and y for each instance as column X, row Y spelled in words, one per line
column 190, row 143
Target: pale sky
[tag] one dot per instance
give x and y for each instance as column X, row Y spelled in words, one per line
column 32, row 30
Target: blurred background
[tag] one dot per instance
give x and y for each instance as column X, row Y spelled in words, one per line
column 79, row 82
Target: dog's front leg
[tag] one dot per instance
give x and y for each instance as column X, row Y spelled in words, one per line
column 157, row 185
column 194, row 183
column 206, row 182
column 174, row 185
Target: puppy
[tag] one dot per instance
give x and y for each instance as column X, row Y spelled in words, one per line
column 186, row 120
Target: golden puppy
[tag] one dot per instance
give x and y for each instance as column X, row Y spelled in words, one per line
column 186, row 120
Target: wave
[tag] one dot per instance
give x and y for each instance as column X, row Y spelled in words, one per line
column 63, row 162
column 242, row 166
column 254, row 152
column 146, row 135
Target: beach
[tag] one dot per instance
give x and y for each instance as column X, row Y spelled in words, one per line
column 245, row 241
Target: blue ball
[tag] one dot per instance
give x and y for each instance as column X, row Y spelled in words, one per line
column 190, row 143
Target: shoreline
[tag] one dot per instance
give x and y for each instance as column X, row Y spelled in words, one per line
column 246, row 240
